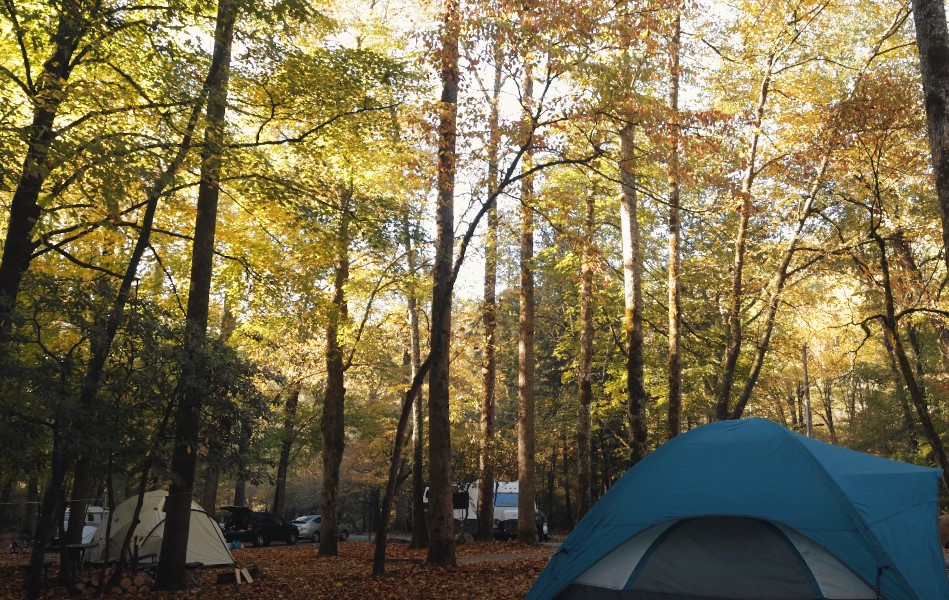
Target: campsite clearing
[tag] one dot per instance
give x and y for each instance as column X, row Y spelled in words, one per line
column 486, row 570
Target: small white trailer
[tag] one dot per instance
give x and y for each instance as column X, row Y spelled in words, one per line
column 465, row 504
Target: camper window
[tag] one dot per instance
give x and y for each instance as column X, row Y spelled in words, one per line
column 506, row 500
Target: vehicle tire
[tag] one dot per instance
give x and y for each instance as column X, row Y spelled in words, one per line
column 260, row 540
column 316, row 537
column 292, row 538
column 343, row 535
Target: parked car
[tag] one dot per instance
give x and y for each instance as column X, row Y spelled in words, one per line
column 258, row 528
column 309, row 528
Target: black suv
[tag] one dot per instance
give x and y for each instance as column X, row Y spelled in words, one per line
column 258, row 528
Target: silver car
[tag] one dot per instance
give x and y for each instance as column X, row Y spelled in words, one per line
column 309, row 527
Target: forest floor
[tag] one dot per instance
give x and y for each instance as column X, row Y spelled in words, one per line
column 486, row 570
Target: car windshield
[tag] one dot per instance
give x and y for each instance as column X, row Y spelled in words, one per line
column 300, row 520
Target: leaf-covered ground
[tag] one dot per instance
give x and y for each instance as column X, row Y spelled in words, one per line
column 488, row 570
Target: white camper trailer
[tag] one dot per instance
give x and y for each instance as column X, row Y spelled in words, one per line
column 506, row 493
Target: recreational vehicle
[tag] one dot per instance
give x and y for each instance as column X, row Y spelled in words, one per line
column 506, row 493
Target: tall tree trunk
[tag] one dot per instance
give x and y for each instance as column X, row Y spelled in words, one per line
column 673, row 243
column 212, row 479
column 30, row 507
column 190, row 393
column 827, row 399
column 146, row 467
column 916, row 345
column 915, row 280
column 47, row 95
column 212, row 474
column 852, row 391
column 779, row 279
column 551, row 481
column 489, row 316
column 636, row 396
column 286, row 445
column 776, row 289
column 891, row 331
column 441, row 550
column 733, row 336
column 806, row 391
column 568, row 505
column 395, row 462
column 419, row 526
column 932, row 40
column 106, row 329
column 50, row 506
column 909, row 425
column 526, row 522
column 5, row 490
column 331, row 423
column 243, row 444
column 585, row 362
column 791, row 400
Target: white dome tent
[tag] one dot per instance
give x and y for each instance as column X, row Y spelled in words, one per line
column 206, row 543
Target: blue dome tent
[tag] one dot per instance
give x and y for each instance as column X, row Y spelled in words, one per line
column 747, row 510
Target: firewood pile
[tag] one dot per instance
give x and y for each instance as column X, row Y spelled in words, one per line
column 127, row 584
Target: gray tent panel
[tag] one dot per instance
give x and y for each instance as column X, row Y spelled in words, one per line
column 727, row 557
column 734, row 558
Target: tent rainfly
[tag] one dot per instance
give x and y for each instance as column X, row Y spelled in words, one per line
column 205, row 541
column 748, row 510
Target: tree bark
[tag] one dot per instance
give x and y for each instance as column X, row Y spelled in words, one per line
column 674, row 284
column 286, row 445
column 733, row 335
column 526, row 522
column 5, row 491
column 891, row 331
column 827, row 399
column 909, row 425
column 441, row 550
column 585, row 363
column 51, row 504
column 379, row 558
column 212, row 474
column 489, row 318
column 932, row 41
column 419, row 526
column 636, row 396
column 915, row 280
column 806, row 391
column 775, row 290
column 171, row 573
column 332, row 421
column 568, row 505
column 240, row 486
